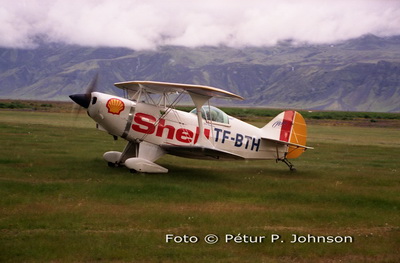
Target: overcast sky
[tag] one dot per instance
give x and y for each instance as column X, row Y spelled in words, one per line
column 146, row 24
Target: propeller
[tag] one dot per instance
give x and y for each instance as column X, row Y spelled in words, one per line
column 84, row 99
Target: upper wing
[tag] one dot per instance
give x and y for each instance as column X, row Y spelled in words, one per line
column 165, row 87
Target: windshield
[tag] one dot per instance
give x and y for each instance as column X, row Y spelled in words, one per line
column 213, row 114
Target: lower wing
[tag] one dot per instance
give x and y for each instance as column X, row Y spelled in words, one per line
column 198, row 152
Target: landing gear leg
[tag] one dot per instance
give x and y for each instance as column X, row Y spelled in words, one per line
column 289, row 164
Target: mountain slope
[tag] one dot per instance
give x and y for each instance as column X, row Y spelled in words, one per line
column 360, row 74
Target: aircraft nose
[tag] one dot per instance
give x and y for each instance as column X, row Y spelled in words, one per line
column 81, row 99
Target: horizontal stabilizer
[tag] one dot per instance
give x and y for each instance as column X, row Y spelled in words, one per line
column 288, row 143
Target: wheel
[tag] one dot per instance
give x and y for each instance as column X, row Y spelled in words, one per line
column 133, row 171
column 112, row 165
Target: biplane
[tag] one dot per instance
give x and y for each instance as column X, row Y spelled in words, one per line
column 148, row 119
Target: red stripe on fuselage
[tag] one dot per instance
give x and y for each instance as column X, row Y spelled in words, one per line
column 287, row 125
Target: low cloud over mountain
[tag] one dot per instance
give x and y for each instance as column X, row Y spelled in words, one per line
column 143, row 25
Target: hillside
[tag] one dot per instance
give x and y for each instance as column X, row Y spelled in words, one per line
column 359, row 75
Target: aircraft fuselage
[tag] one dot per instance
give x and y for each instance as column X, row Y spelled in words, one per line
column 137, row 121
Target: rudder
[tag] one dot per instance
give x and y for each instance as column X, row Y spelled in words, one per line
column 298, row 135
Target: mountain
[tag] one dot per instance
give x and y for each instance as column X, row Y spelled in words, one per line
column 361, row 74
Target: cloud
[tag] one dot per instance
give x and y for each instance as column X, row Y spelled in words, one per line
column 152, row 23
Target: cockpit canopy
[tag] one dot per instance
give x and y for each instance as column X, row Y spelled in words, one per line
column 212, row 113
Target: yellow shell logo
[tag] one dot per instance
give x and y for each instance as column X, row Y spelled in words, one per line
column 115, row 106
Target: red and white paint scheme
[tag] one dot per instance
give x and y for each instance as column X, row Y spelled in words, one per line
column 153, row 127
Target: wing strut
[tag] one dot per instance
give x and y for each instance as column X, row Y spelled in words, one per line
column 199, row 101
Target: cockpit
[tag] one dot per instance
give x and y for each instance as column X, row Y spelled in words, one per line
column 211, row 113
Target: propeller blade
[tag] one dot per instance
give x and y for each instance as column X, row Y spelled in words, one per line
column 93, row 84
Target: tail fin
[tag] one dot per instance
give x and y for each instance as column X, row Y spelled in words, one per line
column 288, row 128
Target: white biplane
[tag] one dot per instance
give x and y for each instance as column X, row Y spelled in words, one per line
column 153, row 127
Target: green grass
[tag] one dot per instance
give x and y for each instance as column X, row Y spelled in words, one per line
column 60, row 202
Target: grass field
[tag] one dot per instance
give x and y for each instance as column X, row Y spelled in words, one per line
column 60, row 202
